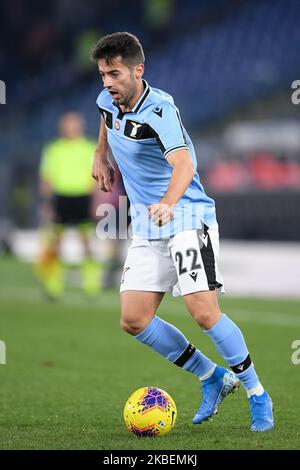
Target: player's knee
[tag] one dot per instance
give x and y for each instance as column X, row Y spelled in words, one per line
column 125, row 326
column 206, row 314
column 130, row 326
column 206, row 318
column 133, row 323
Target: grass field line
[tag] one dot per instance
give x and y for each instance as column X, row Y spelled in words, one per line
column 111, row 302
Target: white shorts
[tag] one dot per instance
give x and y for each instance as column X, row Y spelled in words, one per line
column 180, row 265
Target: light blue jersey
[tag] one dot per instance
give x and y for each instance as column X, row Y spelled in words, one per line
column 140, row 141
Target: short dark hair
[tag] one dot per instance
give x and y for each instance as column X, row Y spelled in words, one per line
column 125, row 45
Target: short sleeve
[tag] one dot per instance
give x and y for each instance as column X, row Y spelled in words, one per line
column 169, row 132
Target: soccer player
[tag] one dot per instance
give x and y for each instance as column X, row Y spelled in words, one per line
column 66, row 187
column 175, row 232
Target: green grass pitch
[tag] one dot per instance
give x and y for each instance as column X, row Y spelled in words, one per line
column 70, row 370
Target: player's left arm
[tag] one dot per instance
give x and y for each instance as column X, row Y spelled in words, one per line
column 182, row 174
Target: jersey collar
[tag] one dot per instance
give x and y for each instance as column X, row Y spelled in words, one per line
column 137, row 106
column 142, row 99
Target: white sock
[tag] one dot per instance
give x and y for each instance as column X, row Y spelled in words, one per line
column 208, row 373
column 258, row 390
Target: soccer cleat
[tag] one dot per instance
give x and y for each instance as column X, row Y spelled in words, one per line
column 261, row 412
column 214, row 390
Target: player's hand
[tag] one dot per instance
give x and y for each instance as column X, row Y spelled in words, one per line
column 160, row 213
column 104, row 173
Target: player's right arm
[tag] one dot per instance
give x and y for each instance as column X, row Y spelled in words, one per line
column 103, row 171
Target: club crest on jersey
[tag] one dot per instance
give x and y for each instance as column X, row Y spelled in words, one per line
column 134, row 129
column 117, row 125
column 138, row 131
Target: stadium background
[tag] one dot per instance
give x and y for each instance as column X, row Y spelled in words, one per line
column 230, row 67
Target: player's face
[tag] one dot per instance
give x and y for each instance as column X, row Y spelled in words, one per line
column 121, row 80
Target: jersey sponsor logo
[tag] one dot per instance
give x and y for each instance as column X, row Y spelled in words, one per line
column 158, row 112
column 117, row 125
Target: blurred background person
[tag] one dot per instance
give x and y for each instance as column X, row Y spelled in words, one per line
column 66, row 189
